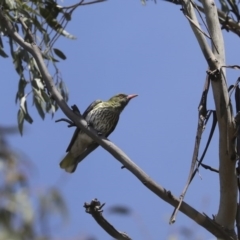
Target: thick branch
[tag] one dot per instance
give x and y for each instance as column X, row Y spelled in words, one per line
column 206, row 50
column 227, row 155
column 106, row 144
column 227, row 22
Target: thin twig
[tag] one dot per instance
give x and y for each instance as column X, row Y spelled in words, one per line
column 200, row 128
column 209, row 168
column 26, row 28
column 81, row 3
column 65, row 120
column 227, row 22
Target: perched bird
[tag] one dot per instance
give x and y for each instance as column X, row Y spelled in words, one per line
column 103, row 117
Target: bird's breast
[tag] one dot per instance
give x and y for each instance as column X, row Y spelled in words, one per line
column 102, row 119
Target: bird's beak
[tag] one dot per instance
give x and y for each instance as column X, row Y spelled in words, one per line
column 131, row 96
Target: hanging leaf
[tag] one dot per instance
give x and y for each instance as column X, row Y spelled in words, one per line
column 21, row 87
column 24, row 55
column 46, row 38
column 224, row 6
column 59, row 53
column 18, row 62
column 38, row 104
column 45, row 96
column 20, row 120
column 53, row 23
column 11, row 4
column 23, row 106
column 2, row 53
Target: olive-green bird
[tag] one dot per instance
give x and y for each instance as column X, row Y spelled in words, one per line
column 103, row 117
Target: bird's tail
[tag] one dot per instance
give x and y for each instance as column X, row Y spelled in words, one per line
column 69, row 163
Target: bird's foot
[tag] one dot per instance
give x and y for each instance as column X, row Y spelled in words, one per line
column 71, row 124
column 76, row 110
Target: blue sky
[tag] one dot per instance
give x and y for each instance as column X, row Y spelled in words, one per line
column 123, row 46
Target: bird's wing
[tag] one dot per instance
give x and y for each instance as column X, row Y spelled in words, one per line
column 89, row 108
column 87, row 151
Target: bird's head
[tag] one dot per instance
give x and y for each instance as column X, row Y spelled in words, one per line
column 121, row 100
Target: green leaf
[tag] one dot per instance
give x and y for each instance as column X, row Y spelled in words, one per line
column 23, row 106
column 24, row 55
column 11, row 4
column 29, row 9
column 21, row 86
column 1, row 43
column 2, row 53
column 48, row 107
column 53, row 23
column 67, row 16
column 45, row 96
column 38, row 104
column 27, row 117
column 59, row 53
column 63, row 90
column 46, row 38
column 22, row 103
column 18, row 62
column 20, row 120
column 224, row 6
column 37, row 83
column 53, row 110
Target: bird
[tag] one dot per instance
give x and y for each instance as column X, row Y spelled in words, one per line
column 103, row 116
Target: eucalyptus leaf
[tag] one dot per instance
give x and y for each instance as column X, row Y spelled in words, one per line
column 38, row 104
column 1, row 43
column 18, row 62
column 2, row 53
column 45, row 96
column 20, row 120
column 59, row 53
column 11, row 4
column 53, row 23
column 46, row 38
column 27, row 117
column 22, row 104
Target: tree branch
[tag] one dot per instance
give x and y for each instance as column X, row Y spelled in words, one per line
column 33, row 49
column 95, row 209
column 227, row 154
column 227, row 22
column 188, row 9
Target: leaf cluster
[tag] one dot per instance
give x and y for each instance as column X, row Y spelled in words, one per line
column 46, row 21
column 24, row 214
